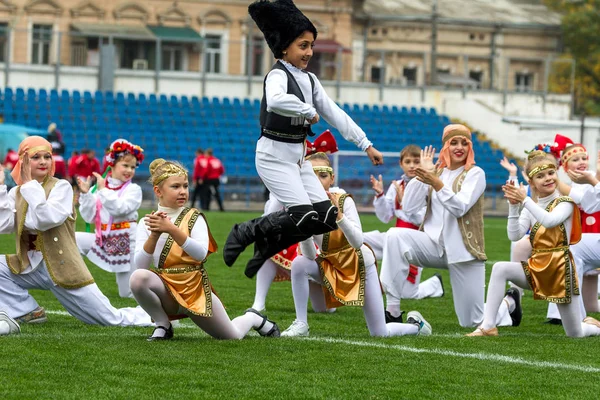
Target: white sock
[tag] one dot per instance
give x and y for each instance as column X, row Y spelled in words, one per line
column 394, row 310
column 159, row 332
column 396, row 329
column 510, row 302
column 266, row 327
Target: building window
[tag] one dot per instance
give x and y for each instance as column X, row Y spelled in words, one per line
column 476, row 76
column 256, row 57
column 41, row 40
column 523, row 82
column 213, row 54
column 172, row 58
column 410, row 76
column 376, row 74
column 3, row 40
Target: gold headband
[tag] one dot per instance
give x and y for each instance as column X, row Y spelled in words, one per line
column 540, row 168
column 575, row 150
column 456, row 132
column 169, row 171
column 329, row 170
column 36, row 149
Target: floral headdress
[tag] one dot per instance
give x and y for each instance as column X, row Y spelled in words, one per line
column 122, row 147
column 556, row 148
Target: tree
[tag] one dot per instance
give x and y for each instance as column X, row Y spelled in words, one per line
column 580, row 28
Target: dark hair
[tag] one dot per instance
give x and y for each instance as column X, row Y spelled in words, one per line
column 209, row 151
column 412, row 150
column 199, row 150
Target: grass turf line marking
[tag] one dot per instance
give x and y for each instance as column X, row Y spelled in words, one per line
column 451, row 353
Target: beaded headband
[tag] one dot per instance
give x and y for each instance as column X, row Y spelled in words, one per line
column 540, row 168
column 329, row 170
column 169, row 171
column 573, row 151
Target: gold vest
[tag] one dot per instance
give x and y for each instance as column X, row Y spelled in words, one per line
column 470, row 224
column 57, row 245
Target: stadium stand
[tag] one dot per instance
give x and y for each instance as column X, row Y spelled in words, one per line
column 173, row 127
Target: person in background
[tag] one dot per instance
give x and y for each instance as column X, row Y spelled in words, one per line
column 56, row 140
column 212, row 180
column 200, row 166
column 11, row 159
column 60, row 165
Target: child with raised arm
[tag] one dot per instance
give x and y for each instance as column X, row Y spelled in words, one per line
column 112, row 206
column 171, row 282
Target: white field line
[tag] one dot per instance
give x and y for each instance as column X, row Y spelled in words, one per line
column 451, row 353
column 176, row 325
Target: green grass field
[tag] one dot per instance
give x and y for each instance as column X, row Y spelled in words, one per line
column 65, row 358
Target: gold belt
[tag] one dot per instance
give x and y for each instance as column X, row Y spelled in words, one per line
column 178, row 270
column 552, row 250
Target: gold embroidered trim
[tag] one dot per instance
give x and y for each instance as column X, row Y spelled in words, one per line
column 169, row 242
column 282, row 261
column 540, row 168
column 360, row 302
column 329, row 170
column 178, row 270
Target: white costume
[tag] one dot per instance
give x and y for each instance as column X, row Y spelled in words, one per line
column 87, row 303
column 440, row 245
column 386, row 210
column 305, row 267
column 119, row 213
column 280, row 165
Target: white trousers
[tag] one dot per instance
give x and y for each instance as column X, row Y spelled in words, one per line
column 291, row 183
column 416, row 291
column 87, row 304
column 304, row 269
column 407, row 246
column 86, row 240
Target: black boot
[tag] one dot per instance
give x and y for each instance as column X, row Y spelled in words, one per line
column 241, row 236
column 262, row 252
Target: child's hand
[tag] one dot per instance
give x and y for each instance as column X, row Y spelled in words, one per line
column 429, row 178
column 375, row 155
column 377, row 185
column 158, row 223
column 582, row 177
column 336, row 203
column 84, row 185
column 100, row 181
column 314, row 119
column 510, row 167
column 514, row 194
column 427, row 155
column 25, row 169
column 399, row 191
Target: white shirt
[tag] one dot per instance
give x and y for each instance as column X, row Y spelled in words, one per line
column 586, row 196
column 518, row 225
column 446, row 207
column 196, row 245
column 121, row 208
column 385, row 209
column 351, row 228
column 42, row 214
column 288, row 105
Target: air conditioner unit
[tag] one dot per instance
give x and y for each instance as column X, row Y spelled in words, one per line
column 140, row 64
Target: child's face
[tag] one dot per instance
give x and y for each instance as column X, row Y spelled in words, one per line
column 409, row 164
column 578, row 162
column 325, row 178
column 301, row 50
column 124, row 168
column 459, row 148
column 173, row 192
column 545, row 182
column 40, row 164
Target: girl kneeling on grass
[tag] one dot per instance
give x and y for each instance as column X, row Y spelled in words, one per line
column 40, row 211
column 176, row 239
column 550, row 271
column 345, row 268
column 113, row 208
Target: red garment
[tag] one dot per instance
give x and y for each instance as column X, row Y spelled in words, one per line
column 590, row 223
column 200, row 167
column 60, row 167
column 72, row 166
column 401, row 223
column 215, row 168
column 86, row 167
column 11, row 159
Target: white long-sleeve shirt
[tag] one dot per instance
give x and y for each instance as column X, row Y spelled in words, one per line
column 351, row 228
column 121, row 208
column 317, row 101
column 385, row 209
column 586, row 196
column 196, row 245
column 446, row 207
column 519, row 224
column 42, row 214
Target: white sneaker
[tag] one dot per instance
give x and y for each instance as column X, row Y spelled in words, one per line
column 8, row 325
column 297, row 328
column 415, row 317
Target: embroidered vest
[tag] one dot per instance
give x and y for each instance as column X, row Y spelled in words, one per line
column 470, row 224
column 57, row 245
column 278, row 127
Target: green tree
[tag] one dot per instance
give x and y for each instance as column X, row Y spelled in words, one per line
column 581, row 35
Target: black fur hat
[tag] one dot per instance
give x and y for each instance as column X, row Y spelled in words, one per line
column 281, row 22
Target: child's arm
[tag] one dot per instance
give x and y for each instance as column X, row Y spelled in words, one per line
column 337, row 118
column 87, row 206
column 196, row 245
column 415, row 197
column 282, row 103
column 349, row 222
column 549, row 219
column 129, row 202
column 587, row 196
column 51, row 212
column 308, row 248
column 518, row 223
column 7, row 207
column 384, row 204
column 458, row 204
column 144, row 246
